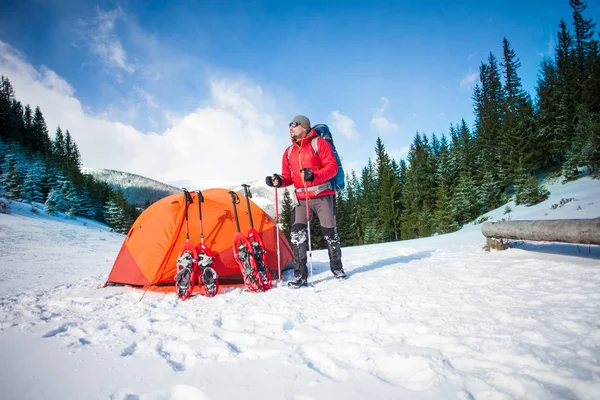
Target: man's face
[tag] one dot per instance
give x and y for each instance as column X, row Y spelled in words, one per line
column 297, row 131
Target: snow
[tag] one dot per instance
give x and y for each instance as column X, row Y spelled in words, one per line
column 433, row 318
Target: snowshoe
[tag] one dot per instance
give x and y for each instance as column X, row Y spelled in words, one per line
column 186, row 271
column 242, row 252
column 260, row 255
column 208, row 276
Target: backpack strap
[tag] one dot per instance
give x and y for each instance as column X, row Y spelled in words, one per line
column 314, row 144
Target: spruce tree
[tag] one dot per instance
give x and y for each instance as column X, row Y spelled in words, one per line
column 567, row 90
column 343, row 218
column 355, row 204
column 7, row 95
column 41, row 140
column 59, row 151
column 489, row 115
column 548, row 100
column 517, row 132
column 12, row 178
column 389, row 195
column 464, row 205
column 286, row 215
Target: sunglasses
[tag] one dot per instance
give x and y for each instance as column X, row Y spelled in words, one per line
column 294, row 124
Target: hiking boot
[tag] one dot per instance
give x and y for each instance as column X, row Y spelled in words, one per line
column 298, row 283
column 339, row 274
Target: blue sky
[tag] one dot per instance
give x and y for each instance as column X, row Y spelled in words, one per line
column 232, row 73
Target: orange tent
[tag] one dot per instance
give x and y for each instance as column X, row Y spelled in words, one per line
column 149, row 252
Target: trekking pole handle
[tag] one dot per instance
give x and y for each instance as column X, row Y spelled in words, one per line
column 200, row 201
column 247, row 190
column 235, row 200
column 248, row 197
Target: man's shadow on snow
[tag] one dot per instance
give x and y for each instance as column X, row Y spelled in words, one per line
column 591, row 252
column 324, row 267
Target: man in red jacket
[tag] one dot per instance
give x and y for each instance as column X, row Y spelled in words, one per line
column 310, row 173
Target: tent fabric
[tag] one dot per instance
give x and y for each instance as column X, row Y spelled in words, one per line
column 149, row 252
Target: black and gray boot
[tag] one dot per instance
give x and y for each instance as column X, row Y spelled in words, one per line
column 299, row 239
column 334, row 249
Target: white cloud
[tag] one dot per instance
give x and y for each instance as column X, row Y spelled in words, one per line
column 344, row 124
column 469, row 79
column 381, row 123
column 400, row 154
column 550, row 49
column 99, row 34
column 230, row 139
column 147, row 97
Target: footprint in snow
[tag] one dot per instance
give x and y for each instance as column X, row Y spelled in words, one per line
column 61, row 329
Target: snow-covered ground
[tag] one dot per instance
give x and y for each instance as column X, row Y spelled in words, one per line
column 434, row 318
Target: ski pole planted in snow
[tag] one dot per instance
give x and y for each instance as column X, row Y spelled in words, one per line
column 187, row 260
column 277, row 233
column 312, row 280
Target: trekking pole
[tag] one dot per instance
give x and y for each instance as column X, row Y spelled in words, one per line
column 200, row 201
column 208, row 275
column 248, row 197
column 187, row 260
column 312, row 280
column 277, row 233
column 187, row 200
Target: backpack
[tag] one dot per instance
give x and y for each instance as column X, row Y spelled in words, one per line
column 338, row 182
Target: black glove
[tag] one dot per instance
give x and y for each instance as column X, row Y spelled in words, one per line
column 274, row 181
column 308, row 175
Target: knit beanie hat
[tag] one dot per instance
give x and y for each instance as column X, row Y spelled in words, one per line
column 302, row 120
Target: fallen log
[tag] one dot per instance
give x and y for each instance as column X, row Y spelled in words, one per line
column 582, row 231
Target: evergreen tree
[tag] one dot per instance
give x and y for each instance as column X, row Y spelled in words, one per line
column 59, row 150
column 12, row 178
column 464, row 205
column 28, row 132
column 443, row 212
column 489, row 115
column 567, row 90
column 52, row 201
column 529, row 192
column 389, row 195
column 548, row 100
column 16, row 124
column 584, row 38
column 418, row 194
column 517, row 132
column 7, row 96
column 343, row 218
column 72, row 158
column 41, row 140
column 286, row 215
column 32, row 189
column 369, row 193
column 353, row 191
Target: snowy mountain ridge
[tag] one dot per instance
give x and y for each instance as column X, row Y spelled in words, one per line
column 139, row 189
column 136, row 189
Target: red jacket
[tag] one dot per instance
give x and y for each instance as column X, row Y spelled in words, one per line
column 323, row 165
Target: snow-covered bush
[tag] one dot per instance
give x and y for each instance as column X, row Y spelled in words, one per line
column 3, row 207
column 529, row 192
